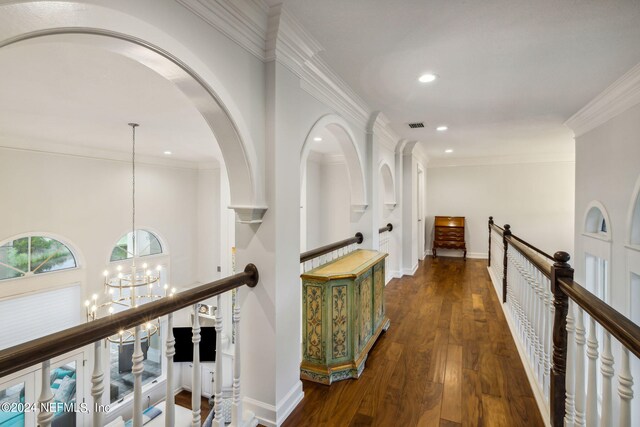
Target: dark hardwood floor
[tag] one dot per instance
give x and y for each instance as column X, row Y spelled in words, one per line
column 184, row 399
column 447, row 360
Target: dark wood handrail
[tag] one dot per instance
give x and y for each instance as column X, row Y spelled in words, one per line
column 388, row 227
column 622, row 328
column 500, row 231
column 31, row 353
column 497, row 229
column 538, row 260
column 313, row 253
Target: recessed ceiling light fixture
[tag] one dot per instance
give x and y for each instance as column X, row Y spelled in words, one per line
column 167, row 153
column 442, row 128
column 448, row 150
column 427, row 78
column 317, row 139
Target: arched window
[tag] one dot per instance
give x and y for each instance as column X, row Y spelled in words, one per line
column 147, row 244
column 28, row 255
column 596, row 221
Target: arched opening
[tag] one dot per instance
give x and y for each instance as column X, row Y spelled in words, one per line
column 331, row 183
column 119, row 78
column 596, row 221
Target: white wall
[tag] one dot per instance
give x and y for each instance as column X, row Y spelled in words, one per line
column 607, row 170
column 536, row 199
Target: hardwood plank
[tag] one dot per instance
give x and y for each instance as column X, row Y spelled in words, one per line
column 472, row 413
column 452, row 392
column 496, row 412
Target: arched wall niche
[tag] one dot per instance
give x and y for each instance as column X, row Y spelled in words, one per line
column 633, row 218
column 120, row 33
column 596, row 221
column 388, row 184
column 341, row 130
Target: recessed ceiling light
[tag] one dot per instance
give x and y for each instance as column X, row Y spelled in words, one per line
column 167, row 153
column 442, row 128
column 317, row 139
column 449, row 150
column 427, row 78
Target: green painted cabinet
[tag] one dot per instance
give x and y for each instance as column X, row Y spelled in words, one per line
column 342, row 315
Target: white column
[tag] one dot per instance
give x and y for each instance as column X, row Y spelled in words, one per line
column 579, row 371
column 170, row 410
column 136, row 370
column 218, row 421
column 606, row 369
column 625, row 390
column 570, row 377
column 196, row 385
column 592, row 378
column 46, row 397
column 236, row 415
column 97, row 383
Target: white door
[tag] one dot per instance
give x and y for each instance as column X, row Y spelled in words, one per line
column 421, row 220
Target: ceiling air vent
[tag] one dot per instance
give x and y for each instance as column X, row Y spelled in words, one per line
column 416, row 125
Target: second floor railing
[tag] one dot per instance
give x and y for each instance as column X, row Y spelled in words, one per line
column 42, row 350
column 573, row 342
column 316, row 257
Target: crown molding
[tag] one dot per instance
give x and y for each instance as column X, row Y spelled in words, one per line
column 274, row 34
column 50, row 148
column 292, row 46
column 380, row 125
column 243, row 21
column 623, row 94
column 501, row 160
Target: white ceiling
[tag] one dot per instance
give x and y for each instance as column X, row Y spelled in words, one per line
column 70, row 95
column 511, row 71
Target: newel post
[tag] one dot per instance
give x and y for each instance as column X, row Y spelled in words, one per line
column 561, row 269
column 489, row 257
column 505, row 234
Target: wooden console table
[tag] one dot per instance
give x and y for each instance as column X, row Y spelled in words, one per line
column 342, row 315
column 448, row 233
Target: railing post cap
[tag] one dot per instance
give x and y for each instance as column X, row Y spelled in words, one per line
column 390, row 227
column 561, row 259
column 491, row 219
column 360, row 237
column 255, row 276
column 507, row 229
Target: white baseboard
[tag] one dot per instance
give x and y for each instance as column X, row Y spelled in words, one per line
column 270, row 415
column 410, row 271
column 537, row 392
column 396, row 274
column 458, row 254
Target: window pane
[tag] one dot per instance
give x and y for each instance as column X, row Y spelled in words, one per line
column 63, row 387
column 14, row 258
column 49, row 255
column 121, row 364
column 146, row 244
column 12, row 395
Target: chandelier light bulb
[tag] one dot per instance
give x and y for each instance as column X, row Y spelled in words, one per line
column 166, row 286
column 144, row 266
column 120, row 276
column 94, row 297
column 87, row 303
column 173, row 290
column 119, row 268
column 110, row 310
column 159, row 267
column 94, row 308
column 105, row 273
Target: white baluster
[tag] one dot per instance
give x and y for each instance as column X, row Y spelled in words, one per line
column 579, row 371
column 218, row 421
column 196, row 383
column 625, row 389
column 138, row 367
column 592, row 377
column 97, row 383
column 236, row 416
column 45, row 415
column 170, row 409
column 570, row 377
column 607, row 371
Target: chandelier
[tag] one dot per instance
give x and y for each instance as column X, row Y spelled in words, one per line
column 129, row 288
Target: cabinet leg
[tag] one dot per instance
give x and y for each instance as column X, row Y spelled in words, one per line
column 434, row 252
column 465, row 255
